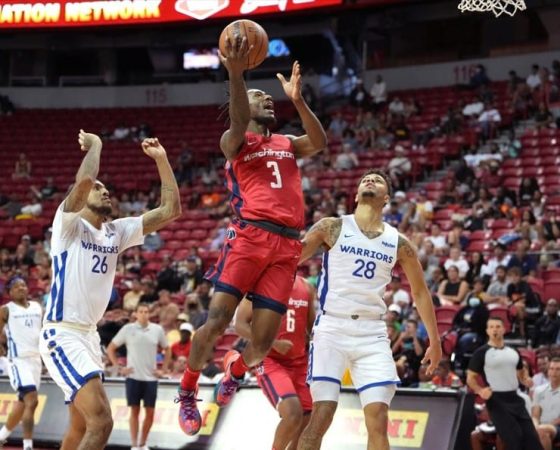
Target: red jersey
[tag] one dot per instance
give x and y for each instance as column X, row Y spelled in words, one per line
column 265, row 182
column 179, row 349
column 294, row 323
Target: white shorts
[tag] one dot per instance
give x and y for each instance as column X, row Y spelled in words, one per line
column 72, row 357
column 25, row 374
column 360, row 345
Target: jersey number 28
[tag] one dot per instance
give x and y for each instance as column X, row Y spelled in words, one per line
column 276, row 174
column 364, row 269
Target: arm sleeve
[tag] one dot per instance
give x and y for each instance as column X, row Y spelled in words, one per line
column 120, row 337
column 130, row 230
column 519, row 365
column 476, row 364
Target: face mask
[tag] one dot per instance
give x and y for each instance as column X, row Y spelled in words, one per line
column 474, row 302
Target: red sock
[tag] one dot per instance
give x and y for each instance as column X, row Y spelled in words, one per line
column 238, row 368
column 190, row 378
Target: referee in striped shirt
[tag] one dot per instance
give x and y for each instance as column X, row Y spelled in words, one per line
column 501, row 367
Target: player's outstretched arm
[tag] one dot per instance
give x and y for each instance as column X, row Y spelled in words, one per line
column 87, row 173
column 235, row 61
column 408, row 258
column 323, row 234
column 170, row 206
column 315, row 139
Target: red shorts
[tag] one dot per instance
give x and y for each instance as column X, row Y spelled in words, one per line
column 279, row 380
column 256, row 263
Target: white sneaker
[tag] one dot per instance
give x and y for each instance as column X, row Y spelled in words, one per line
column 134, row 448
column 144, row 447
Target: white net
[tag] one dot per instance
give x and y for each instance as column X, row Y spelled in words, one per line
column 498, row 7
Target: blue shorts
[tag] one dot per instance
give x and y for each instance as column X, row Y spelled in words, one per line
column 137, row 391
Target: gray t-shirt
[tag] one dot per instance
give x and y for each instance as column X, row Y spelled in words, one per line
column 141, row 346
column 549, row 401
column 497, row 289
column 498, row 366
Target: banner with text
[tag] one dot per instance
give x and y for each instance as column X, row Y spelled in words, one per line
column 67, row 13
column 417, row 419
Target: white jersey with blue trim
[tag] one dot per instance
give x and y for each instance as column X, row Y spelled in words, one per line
column 23, row 329
column 84, row 262
column 357, row 269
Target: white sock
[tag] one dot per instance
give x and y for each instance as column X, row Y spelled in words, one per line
column 4, row 433
column 27, row 443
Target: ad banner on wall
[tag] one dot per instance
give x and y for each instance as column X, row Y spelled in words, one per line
column 418, row 419
column 67, row 13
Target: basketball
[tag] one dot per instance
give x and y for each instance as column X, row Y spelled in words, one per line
column 256, row 36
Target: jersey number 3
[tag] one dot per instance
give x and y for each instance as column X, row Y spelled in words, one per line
column 276, row 174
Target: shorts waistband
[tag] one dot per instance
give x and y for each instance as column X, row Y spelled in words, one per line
column 71, row 326
column 365, row 316
column 292, row 233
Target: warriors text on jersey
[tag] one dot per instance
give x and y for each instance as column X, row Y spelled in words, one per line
column 84, row 264
column 264, row 181
column 294, row 323
column 357, row 269
column 23, row 329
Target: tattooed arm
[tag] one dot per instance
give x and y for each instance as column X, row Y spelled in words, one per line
column 323, row 234
column 408, row 258
column 87, row 173
column 170, row 206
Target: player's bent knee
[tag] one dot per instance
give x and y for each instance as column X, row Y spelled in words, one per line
column 291, row 411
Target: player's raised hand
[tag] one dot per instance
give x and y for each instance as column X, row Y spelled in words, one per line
column 292, row 88
column 87, row 140
column 433, row 356
column 237, row 54
column 153, row 148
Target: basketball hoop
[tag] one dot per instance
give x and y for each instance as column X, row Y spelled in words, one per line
column 498, row 7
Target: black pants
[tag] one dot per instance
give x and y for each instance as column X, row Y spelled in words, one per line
column 512, row 421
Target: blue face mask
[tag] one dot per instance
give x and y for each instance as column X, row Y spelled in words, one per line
column 474, row 302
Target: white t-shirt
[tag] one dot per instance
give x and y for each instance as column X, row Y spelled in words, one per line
column 533, row 80
column 84, row 264
column 461, row 264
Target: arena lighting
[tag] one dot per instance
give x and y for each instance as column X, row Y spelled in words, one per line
column 66, row 13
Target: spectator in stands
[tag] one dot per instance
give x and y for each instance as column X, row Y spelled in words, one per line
column 396, row 106
column 453, row 290
column 489, row 120
column 168, row 319
column 313, row 276
column 502, row 370
column 549, row 226
column 359, row 96
column 399, row 129
column 393, row 216
column 522, row 259
column 179, row 366
column 424, row 209
column 438, row 239
column 546, row 407
column 457, row 260
column 474, row 108
column 337, row 125
column 547, row 326
column 533, row 79
column 6, row 106
column 183, row 346
column 132, row 298
column 541, row 377
column 479, row 77
column 411, row 108
column 395, row 294
column 167, row 277
column 521, row 297
column 399, row 166
column 496, row 294
column 149, row 288
column 472, row 317
column 543, row 117
column 47, row 191
column 378, row 93
column 475, row 267
column 121, row 132
column 33, row 207
column 527, row 189
column 22, row 168
column 499, row 258
column 428, row 258
column 346, row 160
column 408, row 351
column 456, row 237
column 192, row 275
column 152, row 242
column 475, row 221
column 445, row 377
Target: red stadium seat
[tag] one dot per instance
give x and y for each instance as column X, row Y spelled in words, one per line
column 551, row 290
column 446, row 313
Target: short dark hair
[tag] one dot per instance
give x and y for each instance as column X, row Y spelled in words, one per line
column 499, row 319
column 501, row 267
column 142, row 305
column 383, row 175
column 556, row 359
